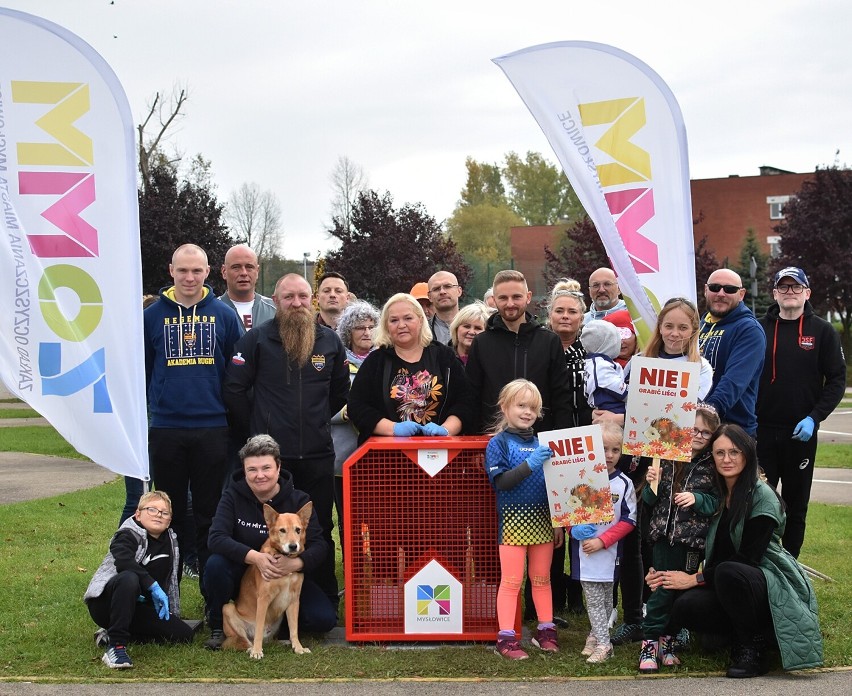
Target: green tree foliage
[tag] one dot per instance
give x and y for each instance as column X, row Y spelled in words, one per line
column 175, row 211
column 484, row 185
column 481, row 231
column 751, row 250
column 387, row 250
column 705, row 263
column 539, row 191
column 816, row 235
column 580, row 253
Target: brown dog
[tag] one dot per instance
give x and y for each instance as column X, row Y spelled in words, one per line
column 261, row 604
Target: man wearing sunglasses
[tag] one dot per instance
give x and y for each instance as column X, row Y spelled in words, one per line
column 733, row 342
column 803, row 380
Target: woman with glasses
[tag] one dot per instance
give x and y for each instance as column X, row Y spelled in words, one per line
column 355, row 327
column 680, row 513
column 751, row 588
column 134, row 594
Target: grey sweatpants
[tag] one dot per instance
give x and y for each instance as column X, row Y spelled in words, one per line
column 599, row 607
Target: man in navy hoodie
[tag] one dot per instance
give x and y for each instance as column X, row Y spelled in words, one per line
column 804, row 378
column 189, row 339
column 733, row 343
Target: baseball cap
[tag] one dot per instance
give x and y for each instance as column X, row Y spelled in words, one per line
column 796, row 274
column 420, row 291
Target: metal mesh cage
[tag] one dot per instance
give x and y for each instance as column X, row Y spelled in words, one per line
column 399, row 517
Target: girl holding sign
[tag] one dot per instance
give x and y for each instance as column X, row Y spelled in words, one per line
column 681, row 509
column 513, row 461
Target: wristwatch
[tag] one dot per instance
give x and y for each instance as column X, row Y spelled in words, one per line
column 699, row 579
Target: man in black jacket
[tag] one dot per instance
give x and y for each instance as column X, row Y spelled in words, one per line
column 515, row 346
column 299, row 376
column 803, row 380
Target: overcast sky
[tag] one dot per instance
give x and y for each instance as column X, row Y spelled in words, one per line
column 280, row 89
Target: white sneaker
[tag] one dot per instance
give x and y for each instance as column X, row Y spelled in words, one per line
column 601, row 653
column 589, row 647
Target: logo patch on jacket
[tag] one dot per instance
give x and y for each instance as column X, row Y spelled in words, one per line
column 238, row 359
column 318, row 361
column 806, row 342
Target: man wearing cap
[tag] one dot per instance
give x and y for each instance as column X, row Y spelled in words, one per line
column 444, row 293
column 803, row 380
column 604, row 291
column 420, row 292
column 733, row 342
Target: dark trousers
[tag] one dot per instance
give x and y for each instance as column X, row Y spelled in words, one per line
column 339, row 504
column 631, row 570
column 667, row 557
column 222, row 584
column 125, row 619
column 792, row 463
column 736, row 603
column 316, row 478
column 133, row 488
column 184, row 459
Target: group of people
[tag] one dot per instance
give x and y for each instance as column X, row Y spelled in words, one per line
column 257, row 400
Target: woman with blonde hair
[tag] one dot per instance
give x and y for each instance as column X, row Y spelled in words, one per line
column 467, row 324
column 409, row 385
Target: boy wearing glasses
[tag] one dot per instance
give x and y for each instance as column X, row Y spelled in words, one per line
column 733, row 342
column 134, row 593
column 803, row 380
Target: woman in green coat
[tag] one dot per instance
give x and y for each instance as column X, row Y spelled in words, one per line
column 751, row 587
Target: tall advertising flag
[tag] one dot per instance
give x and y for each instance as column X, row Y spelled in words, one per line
column 618, row 132
column 70, row 272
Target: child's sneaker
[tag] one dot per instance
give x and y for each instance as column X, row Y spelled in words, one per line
column 589, row 647
column 510, row 648
column 648, row 657
column 601, row 653
column 101, row 638
column 627, row 633
column 667, row 655
column 545, row 639
column 116, row 657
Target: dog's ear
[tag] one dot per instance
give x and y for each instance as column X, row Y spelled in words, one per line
column 305, row 513
column 269, row 514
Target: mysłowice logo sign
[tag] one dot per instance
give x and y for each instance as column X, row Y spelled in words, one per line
column 433, row 601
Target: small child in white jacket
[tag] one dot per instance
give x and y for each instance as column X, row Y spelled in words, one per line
column 605, row 386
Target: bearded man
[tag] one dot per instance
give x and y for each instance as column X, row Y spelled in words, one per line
column 287, row 378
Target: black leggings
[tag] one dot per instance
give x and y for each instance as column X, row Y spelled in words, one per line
column 737, row 602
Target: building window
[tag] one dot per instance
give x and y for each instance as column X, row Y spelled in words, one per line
column 776, row 206
column 774, row 242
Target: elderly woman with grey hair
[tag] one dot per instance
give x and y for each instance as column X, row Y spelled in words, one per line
column 355, row 327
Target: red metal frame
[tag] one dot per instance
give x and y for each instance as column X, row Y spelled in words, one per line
column 398, row 517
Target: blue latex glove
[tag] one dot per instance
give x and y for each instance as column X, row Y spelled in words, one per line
column 804, row 430
column 434, row 430
column 160, row 600
column 538, row 457
column 407, row 429
column 581, row 532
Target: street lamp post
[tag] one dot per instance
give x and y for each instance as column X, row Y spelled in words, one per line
column 305, row 256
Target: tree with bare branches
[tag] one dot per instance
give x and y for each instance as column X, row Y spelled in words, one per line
column 348, row 179
column 255, row 218
column 160, row 117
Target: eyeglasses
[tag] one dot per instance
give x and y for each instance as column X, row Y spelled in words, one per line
column 703, row 434
column 156, row 512
column 729, row 289
column 363, row 328
column 787, row 287
column 606, row 284
column 732, row 453
column 446, row 287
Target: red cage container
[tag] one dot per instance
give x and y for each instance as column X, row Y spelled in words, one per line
column 420, row 559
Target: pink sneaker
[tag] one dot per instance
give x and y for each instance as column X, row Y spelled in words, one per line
column 545, row 639
column 510, row 648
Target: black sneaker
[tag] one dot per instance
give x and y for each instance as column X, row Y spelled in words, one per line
column 214, row 642
column 627, row 633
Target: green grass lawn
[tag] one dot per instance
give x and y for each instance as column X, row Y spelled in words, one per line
column 19, row 413
column 51, row 547
column 37, row 439
column 834, row 456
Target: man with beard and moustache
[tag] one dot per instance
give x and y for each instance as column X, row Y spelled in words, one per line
column 287, row 377
column 604, row 291
column 733, row 342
